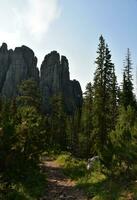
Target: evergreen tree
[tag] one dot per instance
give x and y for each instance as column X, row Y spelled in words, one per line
column 29, row 94
column 86, row 139
column 76, row 128
column 99, row 128
column 104, row 102
column 127, row 96
column 73, row 133
column 8, row 141
column 58, row 123
column 110, row 91
column 31, row 127
column 114, row 97
column 31, row 133
column 123, row 140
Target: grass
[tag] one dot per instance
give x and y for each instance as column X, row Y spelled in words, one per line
column 100, row 187
column 96, row 185
column 72, row 167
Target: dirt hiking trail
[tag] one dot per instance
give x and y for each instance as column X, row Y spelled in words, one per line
column 59, row 187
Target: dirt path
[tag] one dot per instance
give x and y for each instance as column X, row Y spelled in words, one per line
column 59, row 186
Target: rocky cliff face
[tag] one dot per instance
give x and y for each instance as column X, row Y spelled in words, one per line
column 4, row 63
column 54, row 79
column 20, row 65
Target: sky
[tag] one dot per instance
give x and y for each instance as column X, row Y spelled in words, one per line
column 72, row 27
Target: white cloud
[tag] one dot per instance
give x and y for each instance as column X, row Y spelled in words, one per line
column 40, row 15
column 27, row 23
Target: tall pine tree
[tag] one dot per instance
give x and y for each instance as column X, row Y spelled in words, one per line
column 58, row 136
column 104, row 95
column 127, row 96
column 86, row 137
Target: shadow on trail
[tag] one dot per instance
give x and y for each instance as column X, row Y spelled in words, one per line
column 59, row 186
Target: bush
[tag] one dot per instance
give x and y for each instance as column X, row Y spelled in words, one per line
column 72, row 167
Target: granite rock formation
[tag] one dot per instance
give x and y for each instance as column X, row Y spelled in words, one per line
column 55, row 79
column 4, row 63
column 21, row 64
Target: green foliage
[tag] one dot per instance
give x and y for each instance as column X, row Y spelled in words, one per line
column 127, row 96
column 31, row 133
column 12, row 195
column 7, row 142
column 72, row 167
column 29, row 94
column 76, row 127
column 105, row 100
column 86, row 135
column 95, row 184
column 100, row 187
column 22, row 140
column 57, row 137
column 124, row 141
column 30, row 187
